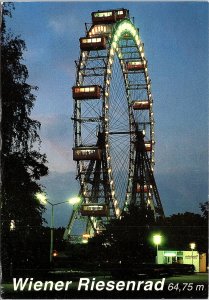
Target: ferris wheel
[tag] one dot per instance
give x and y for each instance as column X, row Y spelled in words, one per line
column 113, row 122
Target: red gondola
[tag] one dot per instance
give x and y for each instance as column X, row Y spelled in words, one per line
column 121, row 14
column 110, row 16
column 93, row 43
column 139, row 188
column 148, row 146
column 135, row 65
column 86, row 92
column 137, row 105
column 100, row 30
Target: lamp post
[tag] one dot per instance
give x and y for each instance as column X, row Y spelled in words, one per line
column 157, row 241
column 192, row 247
column 75, row 202
column 43, row 199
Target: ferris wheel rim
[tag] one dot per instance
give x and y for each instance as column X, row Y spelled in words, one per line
column 119, row 27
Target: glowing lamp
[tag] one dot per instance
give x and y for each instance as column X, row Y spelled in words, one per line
column 192, row 246
column 74, row 200
column 42, row 198
column 157, row 239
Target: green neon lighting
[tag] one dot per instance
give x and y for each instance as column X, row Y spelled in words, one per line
column 124, row 26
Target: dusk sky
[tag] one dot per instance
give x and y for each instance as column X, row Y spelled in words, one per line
column 175, row 36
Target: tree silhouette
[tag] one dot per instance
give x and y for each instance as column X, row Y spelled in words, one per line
column 130, row 239
column 22, row 163
column 183, row 228
column 127, row 239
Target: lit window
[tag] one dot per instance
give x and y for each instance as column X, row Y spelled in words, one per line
column 103, row 14
column 99, row 29
column 107, row 14
column 120, row 12
column 92, row 89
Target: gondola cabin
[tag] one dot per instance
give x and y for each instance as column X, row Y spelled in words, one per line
column 94, row 210
column 86, row 92
column 141, row 105
column 121, row 14
column 105, row 17
column 87, row 153
column 93, row 43
column 135, row 65
column 139, row 188
column 148, row 146
column 100, row 30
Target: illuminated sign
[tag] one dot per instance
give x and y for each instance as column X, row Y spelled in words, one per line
column 170, row 254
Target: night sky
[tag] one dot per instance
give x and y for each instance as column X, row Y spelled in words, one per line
column 176, row 46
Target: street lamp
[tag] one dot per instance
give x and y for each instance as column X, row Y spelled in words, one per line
column 43, row 199
column 192, row 247
column 74, row 200
column 157, row 238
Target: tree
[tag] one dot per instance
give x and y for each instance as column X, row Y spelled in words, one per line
column 179, row 230
column 22, row 163
column 127, row 239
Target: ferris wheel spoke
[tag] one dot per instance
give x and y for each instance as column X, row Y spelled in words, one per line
column 107, row 125
column 120, row 162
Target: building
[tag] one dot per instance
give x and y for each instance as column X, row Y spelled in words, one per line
column 183, row 257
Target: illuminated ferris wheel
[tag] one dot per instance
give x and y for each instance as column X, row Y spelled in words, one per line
column 113, row 122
